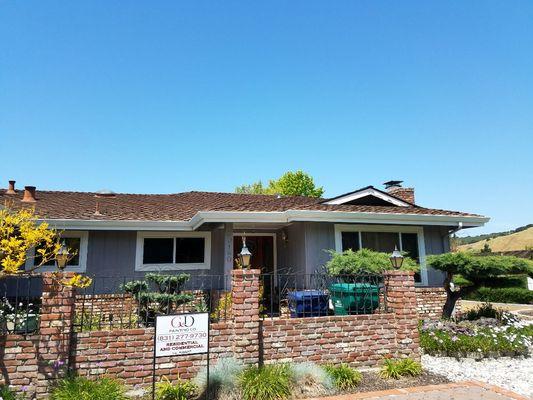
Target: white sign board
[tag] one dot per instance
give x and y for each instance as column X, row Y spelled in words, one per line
column 182, row 334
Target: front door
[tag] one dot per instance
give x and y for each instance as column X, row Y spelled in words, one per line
column 262, row 249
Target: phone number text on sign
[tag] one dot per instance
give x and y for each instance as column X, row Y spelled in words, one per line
column 181, row 334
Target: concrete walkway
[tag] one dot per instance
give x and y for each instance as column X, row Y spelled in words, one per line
column 456, row 391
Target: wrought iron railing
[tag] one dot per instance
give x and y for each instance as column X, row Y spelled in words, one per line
column 20, row 303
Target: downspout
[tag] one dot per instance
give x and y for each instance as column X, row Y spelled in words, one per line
column 451, row 232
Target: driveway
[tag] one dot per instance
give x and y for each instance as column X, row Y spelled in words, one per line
column 455, row 391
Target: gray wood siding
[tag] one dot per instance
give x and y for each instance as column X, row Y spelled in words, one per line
column 292, row 253
column 437, row 242
column 319, row 237
column 111, row 253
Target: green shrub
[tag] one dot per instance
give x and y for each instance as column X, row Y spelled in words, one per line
column 7, row 394
column 502, row 295
column 223, row 375
column 80, row 388
column 395, row 369
column 269, row 382
column 180, row 390
column 485, row 310
column 344, row 377
column 363, row 261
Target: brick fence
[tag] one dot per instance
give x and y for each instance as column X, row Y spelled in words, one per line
column 36, row 361
column 430, row 301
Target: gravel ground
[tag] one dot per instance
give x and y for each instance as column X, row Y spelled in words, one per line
column 514, row 374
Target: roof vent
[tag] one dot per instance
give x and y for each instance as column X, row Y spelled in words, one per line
column 105, row 193
column 392, row 184
column 11, row 188
column 29, row 194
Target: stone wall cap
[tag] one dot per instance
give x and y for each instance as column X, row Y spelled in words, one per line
column 399, row 272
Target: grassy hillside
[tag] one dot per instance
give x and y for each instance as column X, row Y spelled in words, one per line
column 519, row 240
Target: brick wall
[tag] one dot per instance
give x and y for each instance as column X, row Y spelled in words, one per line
column 18, row 360
column 127, row 353
column 109, row 308
column 430, row 301
column 33, row 362
column 117, row 311
column 359, row 340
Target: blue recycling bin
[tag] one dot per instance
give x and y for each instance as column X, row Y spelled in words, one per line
column 308, row 303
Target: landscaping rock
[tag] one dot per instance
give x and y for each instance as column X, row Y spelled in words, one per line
column 509, row 373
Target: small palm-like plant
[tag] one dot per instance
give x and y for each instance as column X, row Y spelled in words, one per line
column 81, row 388
column 344, row 377
column 395, row 369
column 180, row 390
column 270, row 382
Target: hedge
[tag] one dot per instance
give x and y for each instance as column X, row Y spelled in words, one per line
column 502, row 295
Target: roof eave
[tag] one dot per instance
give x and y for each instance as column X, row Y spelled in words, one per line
column 272, row 217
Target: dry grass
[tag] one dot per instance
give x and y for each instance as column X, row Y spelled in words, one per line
column 516, row 241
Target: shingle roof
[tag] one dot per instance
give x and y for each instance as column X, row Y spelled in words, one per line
column 183, row 206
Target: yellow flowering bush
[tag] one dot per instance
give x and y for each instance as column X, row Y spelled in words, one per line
column 20, row 231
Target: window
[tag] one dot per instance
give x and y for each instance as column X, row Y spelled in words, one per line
column 77, row 241
column 409, row 240
column 384, row 242
column 158, row 251
column 350, row 240
column 173, row 251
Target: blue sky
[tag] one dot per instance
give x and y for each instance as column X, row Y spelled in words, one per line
column 161, row 97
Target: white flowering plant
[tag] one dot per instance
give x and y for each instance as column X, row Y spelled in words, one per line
column 506, row 335
column 18, row 317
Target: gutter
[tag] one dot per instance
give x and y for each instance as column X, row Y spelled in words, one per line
column 285, row 217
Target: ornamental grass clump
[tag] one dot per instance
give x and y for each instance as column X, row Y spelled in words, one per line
column 344, row 377
column 269, row 382
column 7, row 394
column 395, row 369
column 311, row 380
column 223, row 378
column 179, row 390
column 80, row 388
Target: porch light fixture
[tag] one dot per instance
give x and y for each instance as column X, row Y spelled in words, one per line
column 245, row 256
column 396, row 258
column 62, row 256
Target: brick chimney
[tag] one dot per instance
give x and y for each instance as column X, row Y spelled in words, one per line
column 11, row 188
column 29, row 194
column 396, row 189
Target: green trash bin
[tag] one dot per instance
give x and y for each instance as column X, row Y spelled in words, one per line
column 354, row 298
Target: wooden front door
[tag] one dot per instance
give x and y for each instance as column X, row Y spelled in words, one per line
column 262, row 249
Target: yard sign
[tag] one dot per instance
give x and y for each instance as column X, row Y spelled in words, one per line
column 181, row 334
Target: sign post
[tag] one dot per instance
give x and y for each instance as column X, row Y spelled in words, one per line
column 178, row 335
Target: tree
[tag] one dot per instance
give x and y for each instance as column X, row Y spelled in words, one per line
column 167, row 297
column 364, row 261
column 289, row 184
column 476, row 270
column 254, row 188
column 20, row 232
column 486, row 248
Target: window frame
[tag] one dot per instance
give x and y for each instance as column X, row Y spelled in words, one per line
column 82, row 265
column 419, row 230
column 139, row 252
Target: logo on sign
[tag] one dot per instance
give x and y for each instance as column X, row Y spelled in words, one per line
column 182, row 321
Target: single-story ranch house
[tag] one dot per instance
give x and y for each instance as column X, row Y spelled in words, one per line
column 200, row 232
